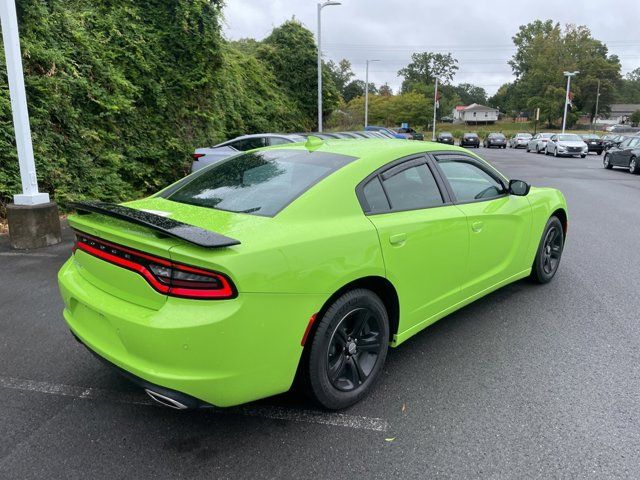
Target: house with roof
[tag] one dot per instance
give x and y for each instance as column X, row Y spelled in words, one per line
column 620, row 113
column 475, row 113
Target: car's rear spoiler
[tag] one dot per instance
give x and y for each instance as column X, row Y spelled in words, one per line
column 168, row 226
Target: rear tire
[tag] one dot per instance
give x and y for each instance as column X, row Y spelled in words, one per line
column 347, row 351
column 549, row 253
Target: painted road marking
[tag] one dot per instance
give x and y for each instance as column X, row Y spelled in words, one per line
column 271, row 412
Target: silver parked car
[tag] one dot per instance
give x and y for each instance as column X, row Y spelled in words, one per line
column 210, row 155
column 520, row 140
column 566, row 144
column 539, row 142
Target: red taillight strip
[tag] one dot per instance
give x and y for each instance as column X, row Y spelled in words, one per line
column 121, row 262
column 198, row 290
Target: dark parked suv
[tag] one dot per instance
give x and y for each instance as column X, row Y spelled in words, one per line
column 470, row 140
column 445, row 137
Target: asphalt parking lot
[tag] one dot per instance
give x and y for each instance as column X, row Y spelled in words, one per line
column 529, row 382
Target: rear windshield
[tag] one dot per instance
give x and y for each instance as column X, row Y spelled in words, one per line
column 496, row 135
column 260, row 182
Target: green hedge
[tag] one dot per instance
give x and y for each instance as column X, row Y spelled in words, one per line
column 120, row 93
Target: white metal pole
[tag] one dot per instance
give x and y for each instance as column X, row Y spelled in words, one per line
column 366, row 96
column 13, row 58
column 435, row 103
column 566, row 97
column 320, row 67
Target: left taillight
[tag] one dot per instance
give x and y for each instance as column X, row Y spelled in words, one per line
column 165, row 276
column 197, row 156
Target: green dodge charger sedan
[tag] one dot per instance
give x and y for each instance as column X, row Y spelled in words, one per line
column 303, row 261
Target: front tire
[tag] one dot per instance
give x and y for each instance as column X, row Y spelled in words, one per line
column 606, row 162
column 547, row 260
column 633, row 166
column 348, row 350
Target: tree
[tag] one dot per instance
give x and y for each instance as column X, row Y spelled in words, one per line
column 341, row 73
column 290, row 50
column 424, row 68
column 392, row 110
column 544, row 51
column 385, row 90
column 629, row 88
column 635, row 117
column 469, row 93
column 356, row 89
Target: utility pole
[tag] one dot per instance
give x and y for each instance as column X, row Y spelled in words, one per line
column 366, row 94
column 566, row 98
column 320, row 7
column 33, row 219
column 595, row 116
column 435, row 109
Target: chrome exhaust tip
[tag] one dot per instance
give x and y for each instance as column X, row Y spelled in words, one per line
column 166, row 401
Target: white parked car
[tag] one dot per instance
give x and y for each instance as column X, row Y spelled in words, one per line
column 539, row 142
column 203, row 157
column 566, row 144
column 520, row 140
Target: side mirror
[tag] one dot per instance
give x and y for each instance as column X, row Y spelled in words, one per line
column 519, row 188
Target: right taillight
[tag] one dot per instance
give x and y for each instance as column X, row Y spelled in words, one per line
column 196, row 156
column 165, row 276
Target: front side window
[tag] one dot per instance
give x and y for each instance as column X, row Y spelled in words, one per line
column 469, row 182
column 261, row 182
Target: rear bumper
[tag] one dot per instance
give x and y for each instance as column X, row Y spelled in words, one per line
column 221, row 353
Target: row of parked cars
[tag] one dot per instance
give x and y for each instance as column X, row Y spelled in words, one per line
column 472, row 140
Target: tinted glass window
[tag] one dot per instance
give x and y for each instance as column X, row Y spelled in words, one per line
column 249, row 144
column 262, row 182
column 278, row 140
column 412, row 188
column 569, row 138
column 468, row 181
column 634, row 142
column 375, row 197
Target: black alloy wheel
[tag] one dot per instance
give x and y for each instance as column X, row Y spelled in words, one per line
column 353, row 349
column 549, row 252
column 347, row 351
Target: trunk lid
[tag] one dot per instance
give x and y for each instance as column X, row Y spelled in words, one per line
column 132, row 286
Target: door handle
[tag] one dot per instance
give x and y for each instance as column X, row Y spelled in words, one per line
column 477, row 226
column 398, row 239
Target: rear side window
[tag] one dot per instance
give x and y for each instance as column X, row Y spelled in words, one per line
column 375, row 196
column 411, row 188
column 260, row 183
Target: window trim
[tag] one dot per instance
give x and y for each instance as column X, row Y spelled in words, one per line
column 473, row 161
column 409, row 161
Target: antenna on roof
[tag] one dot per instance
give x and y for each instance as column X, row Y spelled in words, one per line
column 313, row 142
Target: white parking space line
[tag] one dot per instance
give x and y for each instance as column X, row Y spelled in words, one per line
column 271, row 412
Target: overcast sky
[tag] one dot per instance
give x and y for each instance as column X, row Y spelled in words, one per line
column 477, row 33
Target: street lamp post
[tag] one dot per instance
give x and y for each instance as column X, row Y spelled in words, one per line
column 566, row 98
column 366, row 94
column 33, row 219
column 320, row 7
